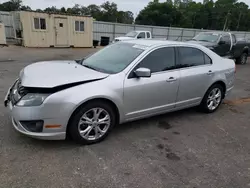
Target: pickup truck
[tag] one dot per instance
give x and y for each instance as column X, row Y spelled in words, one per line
column 224, row 44
column 135, row 35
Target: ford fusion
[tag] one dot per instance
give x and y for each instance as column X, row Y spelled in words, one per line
column 125, row 81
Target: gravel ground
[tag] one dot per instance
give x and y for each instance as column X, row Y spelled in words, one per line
column 185, row 149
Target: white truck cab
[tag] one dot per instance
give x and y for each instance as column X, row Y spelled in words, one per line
column 134, row 35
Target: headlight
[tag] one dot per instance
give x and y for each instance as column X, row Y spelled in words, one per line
column 32, row 99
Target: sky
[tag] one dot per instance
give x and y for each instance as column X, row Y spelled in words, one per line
column 126, row 5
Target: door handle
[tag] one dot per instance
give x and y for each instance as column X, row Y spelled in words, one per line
column 171, row 79
column 210, row 72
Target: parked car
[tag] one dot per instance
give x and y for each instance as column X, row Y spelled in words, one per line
column 135, row 35
column 224, row 44
column 122, row 82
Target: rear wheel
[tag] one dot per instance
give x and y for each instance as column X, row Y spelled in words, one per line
column 212, row 99
column 242, row 59
column 92, row 123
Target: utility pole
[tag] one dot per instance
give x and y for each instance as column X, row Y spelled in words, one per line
column 225, row 24
column 238, row 25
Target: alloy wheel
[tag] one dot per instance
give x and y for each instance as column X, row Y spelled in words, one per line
column 214, row 99
column 94, row 124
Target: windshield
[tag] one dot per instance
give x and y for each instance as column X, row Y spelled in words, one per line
column 131, row 34
column 114, row 58
column 207, row 37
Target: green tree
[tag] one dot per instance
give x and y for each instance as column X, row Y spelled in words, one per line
column 52, row 9
column 11, row 5
column 218, row 15
column 95, row 11
column 109, row 12
column 125, row 17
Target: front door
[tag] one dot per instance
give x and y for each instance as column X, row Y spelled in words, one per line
column 156, row 94
column 61, row 32
column 223, row 48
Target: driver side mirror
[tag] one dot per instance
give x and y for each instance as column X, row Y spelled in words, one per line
column 222, row 42
column 139, row 37
column 143, row 72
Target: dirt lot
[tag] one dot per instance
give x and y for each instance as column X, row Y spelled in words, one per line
column 184, row 149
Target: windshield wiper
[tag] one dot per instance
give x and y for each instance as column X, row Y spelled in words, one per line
column 89, row 67
column 205, row 40
column 78, row 61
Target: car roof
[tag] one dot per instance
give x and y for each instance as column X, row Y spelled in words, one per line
column 214, row 32
column 141, row 31
column 151, row 43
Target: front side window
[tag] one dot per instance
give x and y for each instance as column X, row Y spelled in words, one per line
column 79, row 26
column 113, row 58
column 141, row 36
column 226, row 39
column 159, row 60
column 189, row 57
column 40, row 23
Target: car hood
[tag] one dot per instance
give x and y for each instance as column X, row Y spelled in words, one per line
column 203, row 43
column 50, row 74
column 124, row 38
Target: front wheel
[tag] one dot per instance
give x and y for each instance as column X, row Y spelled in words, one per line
column 92, row 122
column 242, row 59
column 212, row 99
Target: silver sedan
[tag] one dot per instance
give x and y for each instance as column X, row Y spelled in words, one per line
column 125, row 81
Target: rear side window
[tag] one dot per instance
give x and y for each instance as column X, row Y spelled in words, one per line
column 190, row 57
column 148, row 35
column 159, row 60
column 207, row 59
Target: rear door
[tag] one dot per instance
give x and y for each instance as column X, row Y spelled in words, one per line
column 148, row 96
column 196, row 74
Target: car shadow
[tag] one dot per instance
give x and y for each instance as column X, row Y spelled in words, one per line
column 161, row 120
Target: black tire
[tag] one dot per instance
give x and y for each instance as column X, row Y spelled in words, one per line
column 73, row 125
column 204, row 105
column 242, row 60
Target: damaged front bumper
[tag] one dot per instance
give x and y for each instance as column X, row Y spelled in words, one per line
column 20, row 116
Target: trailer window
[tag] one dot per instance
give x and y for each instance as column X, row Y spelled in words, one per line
column 79, row 26
column 40, row 23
